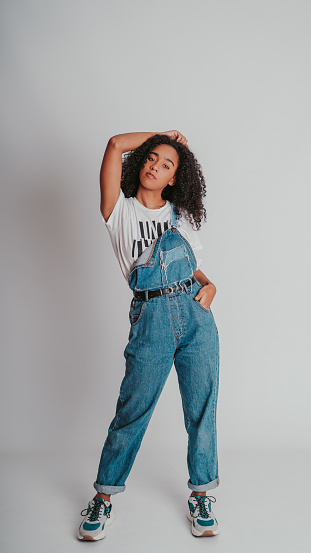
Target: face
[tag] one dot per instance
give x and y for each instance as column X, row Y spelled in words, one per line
column 159, row 168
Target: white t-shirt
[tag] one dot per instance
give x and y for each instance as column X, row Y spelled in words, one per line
column 133, row 227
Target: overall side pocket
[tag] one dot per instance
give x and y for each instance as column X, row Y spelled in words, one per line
column 195, row 289
column 136, row 311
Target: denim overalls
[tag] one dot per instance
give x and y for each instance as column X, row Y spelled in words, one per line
column 171, row 328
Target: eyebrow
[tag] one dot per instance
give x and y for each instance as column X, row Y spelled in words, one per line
column 167, row 159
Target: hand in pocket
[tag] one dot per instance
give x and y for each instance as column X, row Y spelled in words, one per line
column 206, row 295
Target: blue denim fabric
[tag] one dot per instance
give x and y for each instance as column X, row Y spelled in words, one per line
column 173, row 328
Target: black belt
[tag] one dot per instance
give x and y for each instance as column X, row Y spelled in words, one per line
column 147, row 294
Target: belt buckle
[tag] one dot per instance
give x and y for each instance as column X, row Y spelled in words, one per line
column 171, row 289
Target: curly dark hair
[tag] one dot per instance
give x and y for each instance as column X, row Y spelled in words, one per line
column 189, row 189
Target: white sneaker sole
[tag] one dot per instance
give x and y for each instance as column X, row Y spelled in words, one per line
column 99, row 536
column 198, row 534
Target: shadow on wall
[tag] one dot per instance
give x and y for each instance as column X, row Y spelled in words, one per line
column 61, row 329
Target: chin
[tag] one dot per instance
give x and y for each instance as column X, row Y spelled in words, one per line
column 148, row 184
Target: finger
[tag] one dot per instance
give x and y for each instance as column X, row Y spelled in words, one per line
column 205, row 304
column 183, row 141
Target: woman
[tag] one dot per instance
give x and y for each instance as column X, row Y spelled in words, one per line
column 152, row 218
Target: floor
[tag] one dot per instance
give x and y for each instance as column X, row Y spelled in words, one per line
column 263, row 503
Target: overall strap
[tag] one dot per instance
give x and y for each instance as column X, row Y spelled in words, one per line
column 174, row 217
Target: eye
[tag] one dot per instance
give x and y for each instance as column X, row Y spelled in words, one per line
column 166, row 166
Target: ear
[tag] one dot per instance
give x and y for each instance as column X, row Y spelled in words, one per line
column 172, row 181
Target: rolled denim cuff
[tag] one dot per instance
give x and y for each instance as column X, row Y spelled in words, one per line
column 109, row 490
column 204, row 487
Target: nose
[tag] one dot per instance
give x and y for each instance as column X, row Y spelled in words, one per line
column 154, row 166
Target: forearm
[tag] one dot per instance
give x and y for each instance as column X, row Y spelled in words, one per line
column 131, row 140
column 202, row 278
column 207, row 293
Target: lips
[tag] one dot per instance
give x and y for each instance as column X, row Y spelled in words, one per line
column 150, row 175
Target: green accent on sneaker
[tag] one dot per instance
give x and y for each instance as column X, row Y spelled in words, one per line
column 88, row 526
column 208, row 522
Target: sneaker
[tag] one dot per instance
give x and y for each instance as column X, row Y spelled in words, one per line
column 98, row 515
column 200, row 513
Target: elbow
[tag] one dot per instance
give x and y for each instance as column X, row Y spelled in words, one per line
column 113, row 141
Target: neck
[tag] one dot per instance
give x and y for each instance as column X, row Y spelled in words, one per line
column 150, row 199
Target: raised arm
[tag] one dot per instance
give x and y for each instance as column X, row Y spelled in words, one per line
column 111, row 168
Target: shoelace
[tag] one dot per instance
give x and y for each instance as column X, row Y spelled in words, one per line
column 201, row 504
column 95, row 510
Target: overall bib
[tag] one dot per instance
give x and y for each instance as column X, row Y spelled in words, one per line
column 171, row 328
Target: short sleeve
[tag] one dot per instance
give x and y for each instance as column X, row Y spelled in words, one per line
column 193, row 238
column 117, row 213
column 197, row 246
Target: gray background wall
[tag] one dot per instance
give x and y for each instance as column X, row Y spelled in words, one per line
column 234, row 78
